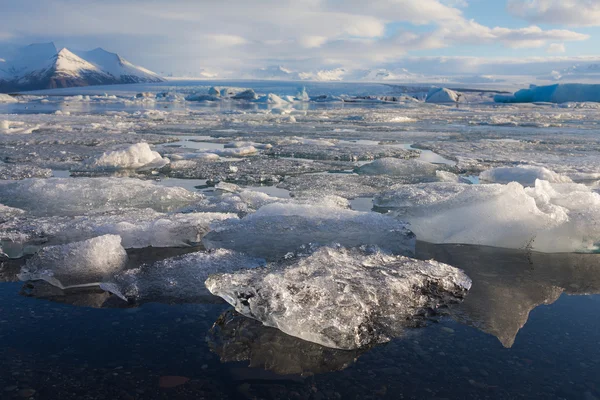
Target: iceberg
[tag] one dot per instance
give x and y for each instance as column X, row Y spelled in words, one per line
column 137, row 156
column 278, row 229
column 443, row 95
column 558, row 93
column 549, row 217
column 69, row 197
column 343, row 298
column 178, row 279
column 77, row 264
column 248, row 94
column 5, row 98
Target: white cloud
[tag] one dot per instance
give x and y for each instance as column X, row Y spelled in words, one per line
column 225, row 40
column 312, row 41
column 562, row 12
column 556, row 48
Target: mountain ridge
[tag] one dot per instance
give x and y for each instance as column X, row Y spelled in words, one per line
column 31, row 68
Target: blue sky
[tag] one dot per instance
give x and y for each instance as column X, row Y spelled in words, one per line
column 234, row 36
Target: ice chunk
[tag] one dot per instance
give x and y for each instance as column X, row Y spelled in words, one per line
column 137, row 156
column 548, row 218
column 559, row 93
column 245, row 95
column 137, row 227
column 416, row 169
column 445, row 176
column 302, row 94
column 9, row 212
column 77, row 264
column 214, row 91
column 343, row 298
column 68, row 196
column 177, row 279
column 271, row 98
column 237, row 338
column 443, row 95
column 277, row 229
column 525, row 175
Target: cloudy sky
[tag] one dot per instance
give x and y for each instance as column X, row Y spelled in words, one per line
column 229, row 36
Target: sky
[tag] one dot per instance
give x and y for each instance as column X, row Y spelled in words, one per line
column 235, row 37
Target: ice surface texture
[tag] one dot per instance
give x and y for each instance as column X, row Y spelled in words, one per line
column 277, row 229
column 237, row 338
column 343, row 298
column 525, row 175
column 177, row 279
column 68, row 196
column 341, row 152
column 21, row 171
column 137, row 227
column 411, row 169
column 549, row 217
column 76, row 264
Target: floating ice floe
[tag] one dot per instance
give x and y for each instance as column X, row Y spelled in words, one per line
column 343, row 298
column 77, row 264
column 245, row 95
column 327, row 150
column 550, row 217
column 177, row 279
column 137, row 156
column 138, row 228
column 68, row 196
column 277, row 229
column 525, row 175
column 16, row 127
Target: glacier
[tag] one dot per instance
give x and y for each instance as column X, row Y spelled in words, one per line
column 343, row 298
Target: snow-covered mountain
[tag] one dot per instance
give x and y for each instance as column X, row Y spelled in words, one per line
column 41, row 66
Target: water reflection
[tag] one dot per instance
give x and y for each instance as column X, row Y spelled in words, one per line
column 237, row 338
column 508, row 284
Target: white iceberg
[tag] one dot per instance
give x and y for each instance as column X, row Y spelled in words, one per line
column 549, row 217
column 177, row 279
column 136, row 156
column 343, row 298
column 5, row 98
column 277, row 229
column 443, row 95
column 77, row 264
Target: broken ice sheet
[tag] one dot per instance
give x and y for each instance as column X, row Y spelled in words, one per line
column 549, row 217
column 234, row 337
column 343, row 298
column 68, row 196
column 22, row 171
column 178, row 279
column 277, row 229
column 138, row 228
column 76, row 264
column 411, row 170
column 339, row 151
column 248, row 171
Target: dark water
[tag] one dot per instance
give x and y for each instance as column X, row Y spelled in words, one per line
column 529, row 329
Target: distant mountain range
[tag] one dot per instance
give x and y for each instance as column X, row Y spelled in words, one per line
column 42, row 66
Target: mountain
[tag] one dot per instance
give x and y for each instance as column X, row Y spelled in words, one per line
column 41, row 66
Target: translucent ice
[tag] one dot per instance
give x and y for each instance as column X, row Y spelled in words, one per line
column 177, row 279
column 525, row 175
column 137, row 227
column 277, row 229
column 548, row 217
column 68, row 196
column 339, row 151
column 77, row 264
column 415, row 169
column 136, row 156
column 343, row 298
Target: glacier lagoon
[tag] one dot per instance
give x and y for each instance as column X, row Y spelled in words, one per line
column 504, row 195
